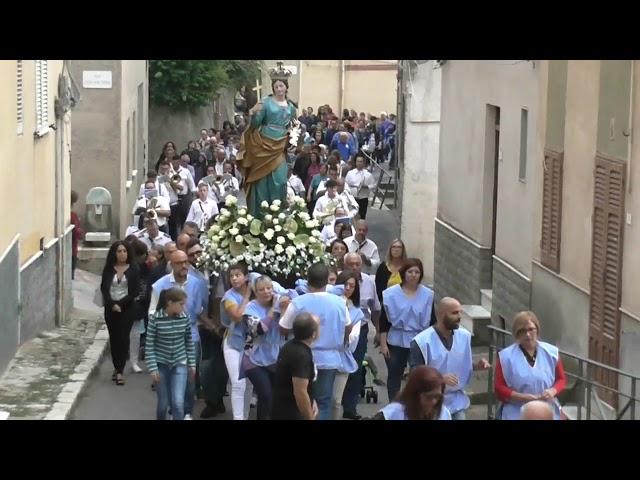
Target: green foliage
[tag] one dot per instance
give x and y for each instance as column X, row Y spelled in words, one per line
column 183, row 84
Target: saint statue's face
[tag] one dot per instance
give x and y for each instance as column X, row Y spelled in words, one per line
column 279, row 88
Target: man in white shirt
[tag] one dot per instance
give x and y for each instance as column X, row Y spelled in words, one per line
column 349, row 203
column 151, row 200
column 203, row 141
column 184, row 187
column 162, row 190
column 202, row 209
column 367, row 249
column 327, row 204
column 360, row 182
column 294, row 186
column 152, row 235
column 220, row 158
column 165, row 172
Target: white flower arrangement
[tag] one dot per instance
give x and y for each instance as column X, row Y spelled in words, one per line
column 284, row 243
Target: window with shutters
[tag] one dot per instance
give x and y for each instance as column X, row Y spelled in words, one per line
column 42, row 97
column 551, row 209
column 606, row 267
column 19, row 99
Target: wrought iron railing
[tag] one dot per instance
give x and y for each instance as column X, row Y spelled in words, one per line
column 382, row 186
column 584, row 392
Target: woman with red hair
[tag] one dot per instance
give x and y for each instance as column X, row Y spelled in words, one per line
column 421, row 399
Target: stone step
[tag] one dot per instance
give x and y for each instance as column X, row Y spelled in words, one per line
column 486, row 298
column 476, row 318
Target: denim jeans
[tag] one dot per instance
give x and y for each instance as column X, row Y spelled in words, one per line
column 262, row 380
column 323, row 392
column 171, row 390
column 355, row 382
column 398, row 357
column 190, row 392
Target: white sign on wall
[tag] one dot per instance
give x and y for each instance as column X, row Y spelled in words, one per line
column 96, row 79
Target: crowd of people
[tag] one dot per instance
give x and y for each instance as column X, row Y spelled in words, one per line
column 301, row 350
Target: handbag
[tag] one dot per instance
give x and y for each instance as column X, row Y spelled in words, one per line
column 97, row 297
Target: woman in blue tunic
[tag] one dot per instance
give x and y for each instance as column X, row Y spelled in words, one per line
column 232, row 307
column 406, row 312
column 528, row 370
column 262, row 156
column 262, row 343
column 421, row 399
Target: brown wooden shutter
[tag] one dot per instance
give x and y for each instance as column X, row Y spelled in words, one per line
column 551, row 209
column 606, row 267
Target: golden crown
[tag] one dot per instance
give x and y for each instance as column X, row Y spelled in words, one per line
column 280, row 72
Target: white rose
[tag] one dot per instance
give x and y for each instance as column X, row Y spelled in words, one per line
column 291, row 251
column 216, row 229
column 262, row 246
column 214, row 246
column 264, row 204
column 224, row 212
column 239, row 239
column 310, row 224
column 215, row 239
column 243, row 221
column 268, row 218
column 290, row 236
column 239, row 258
column 312, row 240
column 275, row 208
column 269, row 234
column 304, row 216
column 275, row 221
column 281, row 240
column 316, row 233
column 277, row 202
column 279, row 249
column 223, row 234
column 242, row 212
column 233, row 231
column 219, row 252
column 231, row 200
column 250, row 217
column 281, row 216
column 278, row 228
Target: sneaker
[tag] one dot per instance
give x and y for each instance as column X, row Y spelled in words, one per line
column 188, row 417
column 135, row 367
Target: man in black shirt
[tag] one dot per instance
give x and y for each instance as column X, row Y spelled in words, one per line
column 295, row 372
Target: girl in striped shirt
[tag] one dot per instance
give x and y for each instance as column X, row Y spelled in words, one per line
column 170, row 352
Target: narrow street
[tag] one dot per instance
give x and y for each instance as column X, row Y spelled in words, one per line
column 102, row 400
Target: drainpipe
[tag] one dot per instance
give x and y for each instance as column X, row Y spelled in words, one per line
column 630, row 131
column 341, row 89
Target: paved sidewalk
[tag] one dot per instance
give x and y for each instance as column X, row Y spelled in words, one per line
column 48, row 373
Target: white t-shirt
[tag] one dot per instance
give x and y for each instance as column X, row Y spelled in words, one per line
column 360, row 181
column 200, row 212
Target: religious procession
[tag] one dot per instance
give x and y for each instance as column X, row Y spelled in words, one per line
column 253, row 278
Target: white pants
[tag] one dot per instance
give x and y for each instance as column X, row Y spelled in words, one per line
column 338, row 389
column 134, row 341
column 232, row 360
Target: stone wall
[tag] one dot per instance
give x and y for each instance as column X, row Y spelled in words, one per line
column 461, row 267
column 9, row 303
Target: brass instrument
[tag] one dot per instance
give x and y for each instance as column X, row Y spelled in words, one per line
column 151, row 209
column 175, row 180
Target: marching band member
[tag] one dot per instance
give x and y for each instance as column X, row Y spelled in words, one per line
column 203, row 208
column 152, row 201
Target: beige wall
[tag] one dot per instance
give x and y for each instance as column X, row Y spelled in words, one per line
column 631, row 257
column 27, row 197
column 420, row 164
column 465, row 179
column 318, row 82
column 580, row 136
column 100, row 136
